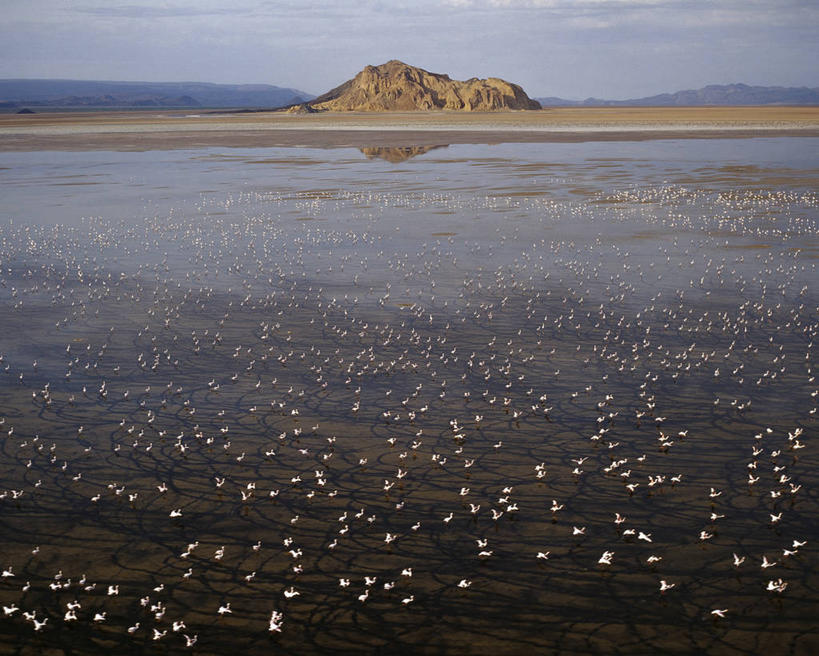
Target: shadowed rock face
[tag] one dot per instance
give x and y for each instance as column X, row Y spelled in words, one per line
column 398, row 87
column 302, row 108
column 396, row 154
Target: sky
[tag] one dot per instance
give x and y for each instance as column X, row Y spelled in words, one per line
column 612, row 49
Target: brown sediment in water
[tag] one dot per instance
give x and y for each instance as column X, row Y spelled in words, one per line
column 551, row 301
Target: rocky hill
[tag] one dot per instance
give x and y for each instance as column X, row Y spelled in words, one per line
column 398, row 87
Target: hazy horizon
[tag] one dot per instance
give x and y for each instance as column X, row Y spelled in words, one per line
column 614, row 49
column 314, row 93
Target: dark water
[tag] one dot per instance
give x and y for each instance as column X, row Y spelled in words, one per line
column 366, row 361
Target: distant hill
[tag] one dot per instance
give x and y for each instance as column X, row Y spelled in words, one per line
column 90, row 93
column 714, row 94
column 396, row 86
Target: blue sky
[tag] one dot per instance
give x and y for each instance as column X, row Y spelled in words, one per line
column 568, row 48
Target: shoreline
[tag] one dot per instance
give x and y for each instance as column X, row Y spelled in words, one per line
column 166, row 130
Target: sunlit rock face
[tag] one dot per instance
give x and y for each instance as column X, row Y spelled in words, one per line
column 398, row 87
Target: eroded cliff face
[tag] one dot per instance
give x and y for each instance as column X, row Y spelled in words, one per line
column 398, row 87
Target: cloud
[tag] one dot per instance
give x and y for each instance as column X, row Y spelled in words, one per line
column 148, row 11
column 574, row 48
column 706, row 12
column 565, row 5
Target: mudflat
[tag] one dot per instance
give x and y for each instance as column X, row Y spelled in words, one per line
column 524, row 398
column 144, row 130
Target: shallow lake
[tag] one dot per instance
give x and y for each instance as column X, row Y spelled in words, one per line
column 509, row 399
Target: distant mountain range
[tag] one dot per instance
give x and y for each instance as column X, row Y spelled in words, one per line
column 714, row 94
column 17, row 94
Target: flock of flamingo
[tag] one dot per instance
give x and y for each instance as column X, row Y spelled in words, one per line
column 341, row 420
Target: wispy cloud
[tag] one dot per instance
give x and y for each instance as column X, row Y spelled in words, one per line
column 569, row 5
column 666, row 15
column 155, row 11
column 575, row 48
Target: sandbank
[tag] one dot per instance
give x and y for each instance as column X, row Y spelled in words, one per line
column 149, row 130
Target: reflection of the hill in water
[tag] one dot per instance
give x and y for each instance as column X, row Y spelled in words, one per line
column 397, row 154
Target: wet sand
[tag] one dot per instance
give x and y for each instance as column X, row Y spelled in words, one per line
column 149, row 130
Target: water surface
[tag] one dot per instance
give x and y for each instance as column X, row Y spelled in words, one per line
column 419, row 371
